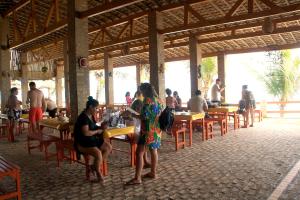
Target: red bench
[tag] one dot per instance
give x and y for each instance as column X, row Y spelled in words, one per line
column 9, row 169
column 44, row 140
column 68, row 144
column 178, row 130
column 4, row 130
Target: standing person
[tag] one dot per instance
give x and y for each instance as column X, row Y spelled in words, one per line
column 13, row 106
column 150, row 133
column 88, row 137
column 128, row 98
column 137, row 106
column 197, row 103
column 35, row 98
column 179, row 102
column 171, row 102
column 216, row 92
column 249, row 100
column 51, row 107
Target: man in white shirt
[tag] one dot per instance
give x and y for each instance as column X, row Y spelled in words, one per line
column 197, row 103
column 216, row 92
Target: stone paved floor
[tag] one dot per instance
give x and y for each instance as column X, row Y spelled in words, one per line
column 244, row 164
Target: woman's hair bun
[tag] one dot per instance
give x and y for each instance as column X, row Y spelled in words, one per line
column 90, row 98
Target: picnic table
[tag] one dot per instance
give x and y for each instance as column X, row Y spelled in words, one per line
column 226, row 111
column 55, row 124
column 118, row 133
column 189, row 117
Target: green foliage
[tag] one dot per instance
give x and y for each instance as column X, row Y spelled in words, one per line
column 283, row 76
column 208, row 71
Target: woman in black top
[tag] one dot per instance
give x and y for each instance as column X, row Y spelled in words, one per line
column 88, row 137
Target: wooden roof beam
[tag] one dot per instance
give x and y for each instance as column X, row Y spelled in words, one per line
column 232, row 19
column 248, row 35
column 16, row 7
column 107, row 7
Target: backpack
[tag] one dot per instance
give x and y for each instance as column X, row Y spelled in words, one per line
column 166, row 119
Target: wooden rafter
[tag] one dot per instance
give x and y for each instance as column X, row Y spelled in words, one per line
column 107, row 7
column 19, row 5
column 57, row 17
column 123, row 30
column 196, row 14
column 49, row 16
column 108, row 33
column 234, row 8
column 250, row 35
column 270, row 4
column 250, row 6
column 33, row 15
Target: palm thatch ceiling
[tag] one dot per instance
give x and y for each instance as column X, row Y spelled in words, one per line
column 121, row 27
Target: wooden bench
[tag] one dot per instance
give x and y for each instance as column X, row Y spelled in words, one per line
column 9, row 169
column 44, row 140
column 207, row 130
column 221, row 121
column 178, row 130
column 68, row 145
column 4, row 131
column 260, row 115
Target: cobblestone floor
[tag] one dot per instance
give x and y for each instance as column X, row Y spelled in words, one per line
column 244, row 164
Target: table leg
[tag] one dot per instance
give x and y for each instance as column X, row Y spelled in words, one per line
column 191, row 132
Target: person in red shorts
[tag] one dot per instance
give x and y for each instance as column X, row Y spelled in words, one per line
column 35, row 98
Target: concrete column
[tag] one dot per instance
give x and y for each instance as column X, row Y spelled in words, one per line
column 5, row 81
column 109, row 80
column 138, row 75
column 156, row 53
column 195, row 61
column 77, row 47
column 59, row 84
column 221, row 72
column 66, row 74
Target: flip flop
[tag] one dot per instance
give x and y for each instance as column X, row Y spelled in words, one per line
column 133, row 182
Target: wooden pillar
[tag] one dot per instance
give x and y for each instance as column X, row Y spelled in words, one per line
column 156, row 53
column 66, row 74
column 5, row 81
column 77, row 47
column 109, row 81
column 59, row 84
column 195, row 61
column 138, row 75
column 221, row 72
column 24, row 78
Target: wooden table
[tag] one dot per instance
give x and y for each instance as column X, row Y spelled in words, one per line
column 55, row 124
column 189, row 117
column 225, row 110
column 113, row 133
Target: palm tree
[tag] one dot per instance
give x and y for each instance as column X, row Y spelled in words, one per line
column 100, row 83
column 283, row 77
column 208, row 71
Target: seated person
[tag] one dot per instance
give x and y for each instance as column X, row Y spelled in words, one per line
column 197, row 103
column 51, row 107
column 179, row 102
column 88, row 137
column 171, row 102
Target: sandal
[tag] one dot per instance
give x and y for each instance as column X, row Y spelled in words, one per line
column 133, row 182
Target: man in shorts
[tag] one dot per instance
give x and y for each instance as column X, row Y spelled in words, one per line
column 35, row 98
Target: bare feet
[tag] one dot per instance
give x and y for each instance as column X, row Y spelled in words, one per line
column 134, row 182
column 149, row 175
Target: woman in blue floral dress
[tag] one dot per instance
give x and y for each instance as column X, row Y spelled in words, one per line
column 150, row 133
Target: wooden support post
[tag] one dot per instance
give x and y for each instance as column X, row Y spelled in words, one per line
column 138, row 75
column 24, row 79
column 221, row 72
column 5, row 80
column 109, row 83
column 59, row 84
column 195, row 64
column 77, row 48
column 66, row 74
column 156, row 53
